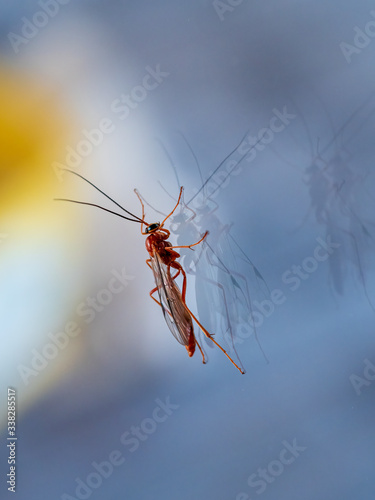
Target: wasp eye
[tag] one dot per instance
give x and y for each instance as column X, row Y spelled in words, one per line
column 152, row 227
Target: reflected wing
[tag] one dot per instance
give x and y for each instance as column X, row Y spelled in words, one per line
column 176, row 316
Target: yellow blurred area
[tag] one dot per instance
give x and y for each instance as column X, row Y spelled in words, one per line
column 33, row 134
column 41, row 244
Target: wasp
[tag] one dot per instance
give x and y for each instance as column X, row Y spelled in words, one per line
column 166, row 268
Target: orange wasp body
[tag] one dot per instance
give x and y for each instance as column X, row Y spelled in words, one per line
column 163, row 258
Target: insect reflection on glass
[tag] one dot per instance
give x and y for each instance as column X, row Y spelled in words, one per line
column 222, row 285
column 162, row 259
column 337, row 181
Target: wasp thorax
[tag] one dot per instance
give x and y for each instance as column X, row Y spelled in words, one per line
column 152, row 227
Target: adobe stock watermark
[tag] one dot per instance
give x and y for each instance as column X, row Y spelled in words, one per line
column 222, row 7
column 90, row 139
column 248, row 150
column 87, row 309
column 132, row 440
column 31, row 27
column 368, row 376
column 293, row 278
column 265, row 476
column 121, row 107
column 361, row 40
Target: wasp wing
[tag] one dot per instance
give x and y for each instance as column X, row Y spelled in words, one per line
column 175, row 313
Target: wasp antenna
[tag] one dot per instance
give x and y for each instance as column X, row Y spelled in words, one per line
column 103, row 193
column 97, row 206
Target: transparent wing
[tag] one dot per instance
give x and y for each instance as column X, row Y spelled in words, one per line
column 176, row 316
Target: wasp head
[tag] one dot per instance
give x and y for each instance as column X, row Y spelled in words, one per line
column 152, row 227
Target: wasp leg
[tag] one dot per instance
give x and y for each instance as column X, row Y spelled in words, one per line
column 214, row 341
column 189, row 246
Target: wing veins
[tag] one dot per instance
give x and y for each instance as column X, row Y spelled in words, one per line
column 179, row 328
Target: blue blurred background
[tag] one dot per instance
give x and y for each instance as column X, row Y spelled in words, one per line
column 108, row 403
